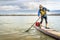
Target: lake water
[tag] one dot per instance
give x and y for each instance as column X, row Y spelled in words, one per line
column 13, row 27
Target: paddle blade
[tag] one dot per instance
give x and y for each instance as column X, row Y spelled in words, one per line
column 26, row 30
column 29, row 29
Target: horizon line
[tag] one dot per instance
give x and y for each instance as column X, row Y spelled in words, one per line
column 28, row 15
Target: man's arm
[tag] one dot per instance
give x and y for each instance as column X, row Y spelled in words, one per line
column 38, row 13
column 47, row 10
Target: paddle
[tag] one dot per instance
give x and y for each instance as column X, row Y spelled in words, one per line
column 32, row 25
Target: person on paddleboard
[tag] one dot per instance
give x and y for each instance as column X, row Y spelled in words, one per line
column 42, row 13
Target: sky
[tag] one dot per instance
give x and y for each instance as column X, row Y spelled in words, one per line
column 15, row 5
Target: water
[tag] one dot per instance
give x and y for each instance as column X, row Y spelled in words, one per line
column 13, row 27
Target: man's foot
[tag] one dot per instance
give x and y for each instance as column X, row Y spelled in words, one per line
column 40, row 25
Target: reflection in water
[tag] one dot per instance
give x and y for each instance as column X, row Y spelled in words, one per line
column 13, row 27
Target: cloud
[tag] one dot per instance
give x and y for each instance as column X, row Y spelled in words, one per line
column 9, row 7
column 20, row 6
column 27, row 4
column 30, row 5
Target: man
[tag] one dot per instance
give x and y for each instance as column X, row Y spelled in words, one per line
column 42, row 11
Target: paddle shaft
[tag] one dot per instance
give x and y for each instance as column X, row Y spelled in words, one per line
column 32, row 25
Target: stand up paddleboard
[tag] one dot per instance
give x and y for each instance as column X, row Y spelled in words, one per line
column 50, row 32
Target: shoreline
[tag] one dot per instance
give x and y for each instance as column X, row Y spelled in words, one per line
column 30, row 15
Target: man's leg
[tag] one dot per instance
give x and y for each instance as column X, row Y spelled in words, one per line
column 41, row 21
column 46, row 21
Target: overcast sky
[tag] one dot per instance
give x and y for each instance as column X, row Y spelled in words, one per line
column 29, row 4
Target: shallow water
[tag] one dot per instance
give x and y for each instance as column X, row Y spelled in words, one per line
column 13, row 28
